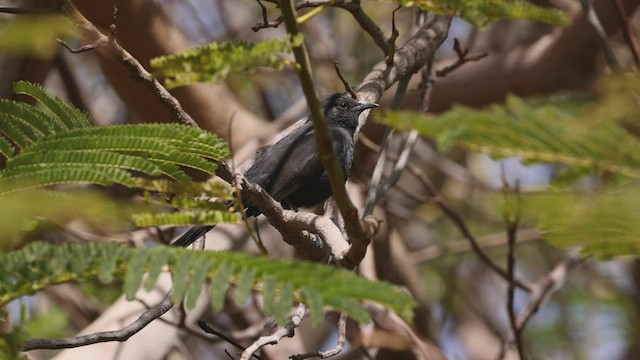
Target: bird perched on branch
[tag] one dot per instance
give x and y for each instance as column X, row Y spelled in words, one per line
column 291, row 171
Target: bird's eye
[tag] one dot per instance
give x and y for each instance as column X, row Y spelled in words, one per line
column 342, row 105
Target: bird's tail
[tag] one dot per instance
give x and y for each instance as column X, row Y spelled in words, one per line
column 196, row 232
column 192, row 235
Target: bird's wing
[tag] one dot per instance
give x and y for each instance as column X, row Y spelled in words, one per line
column 298, row 162
column 273, row 157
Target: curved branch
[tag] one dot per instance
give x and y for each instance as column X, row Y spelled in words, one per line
column 105, row 336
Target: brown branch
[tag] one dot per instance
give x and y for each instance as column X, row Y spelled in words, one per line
column 458, row 220
column 287, row 331
column 105, row 336
column 347, row 87
column 367, row 24
column 545, row 287
column 342, row 340
column 209, row 330
column 628, row 34
column 512, row 221
column 391, row 43
column 601, row 34
column 298, row 229
column 407, row 60
column 463, row 58
column 324, row 139
column 265, row 20
column 123, row 56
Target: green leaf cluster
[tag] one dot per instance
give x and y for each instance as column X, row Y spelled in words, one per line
column 482, row 12
column 55, row 144
column 550, row 132
column 215, row 61
column 603, row 224
column 282, row 282
column 600, row 136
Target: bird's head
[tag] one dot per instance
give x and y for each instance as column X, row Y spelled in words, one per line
column 343, row 110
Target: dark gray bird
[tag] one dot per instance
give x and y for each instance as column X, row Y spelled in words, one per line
column 291, row 171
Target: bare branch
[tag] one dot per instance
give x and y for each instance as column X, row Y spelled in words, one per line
column 265, row 20
column 463, row 228
column 105, row 336
column 367, row 24
column 593, row 19
column 209, row 330
column 548, row 285
column 628, row 34
column 463, row 58
column 347, row 87
column 511, row 221
column 287, row 331
column 123, row 56
column 391, row 43
column 342, row 340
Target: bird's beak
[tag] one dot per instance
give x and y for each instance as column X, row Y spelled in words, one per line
column 362, row 107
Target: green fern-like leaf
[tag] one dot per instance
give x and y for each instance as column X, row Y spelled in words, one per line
column 46, row 123
column 483, row 12
column 213, row 62
column 35, row 160
column 184, row 138
column 220, row 284
column 188, row 202
column 69, row 115
column 539, row 134
column 604, row 224
column 39, row 265
column 208, row 217
column 6, row 149
column 42, row 177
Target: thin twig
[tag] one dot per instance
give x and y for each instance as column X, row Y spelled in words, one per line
column 463, row 58
column 376, row 176
column 287, row 331
column 347, row 87
column 593, row 19
column 462, row 245
column 399, row 167
column 391, row 43
column 209, row 330
column 265, row 20
column 511, row 222
column 458, row 220
column 367, row 24
column 545, row 287
column 429, row 77
column 69, row 10
column 118, row 335
column 628, row 34
column 342, row 340
column 375, row 188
